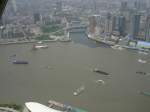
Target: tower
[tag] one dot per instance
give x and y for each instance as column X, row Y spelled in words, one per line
column 147, row 28
column 92, row 24
column 135, row 25
column 108, row 24
column 121, row 25
column 58, row 6
column 124, row 5
column 14, row 6
column 37, row 17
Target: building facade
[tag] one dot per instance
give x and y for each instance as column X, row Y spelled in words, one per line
column 147, row 28
column 135, row 25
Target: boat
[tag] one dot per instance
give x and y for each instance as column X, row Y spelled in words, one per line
column 79, row 91
column 64, row 107
column 141, row 73
column 40, row 46
column 100, row 82
column 14, row 55
column 39, row 42
column 100, row 72
column 37, row 107
column 20, row 62
column 144, row 93
column 142, row 52
column 117, row 47
column 142, row 61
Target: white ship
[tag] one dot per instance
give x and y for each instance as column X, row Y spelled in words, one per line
column 53, row 107
column 37, row 107
column 40, row 46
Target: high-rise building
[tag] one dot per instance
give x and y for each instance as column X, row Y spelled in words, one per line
column 58, row 6
column 135, row 25
column 119, row 25
column 92, row 24
column 137, row 4
column 124, row 5
column 37, row 17
column 114, row 21
column 147, row 28
column 1, row 21
column 14, row 6
column 140, row 5
column 108, row 23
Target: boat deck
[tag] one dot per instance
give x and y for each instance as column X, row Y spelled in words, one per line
column 63, row 107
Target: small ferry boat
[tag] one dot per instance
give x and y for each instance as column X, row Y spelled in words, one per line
column 141, row 73
column 20, row 62
column 142, row 61
column 100, row 81
column 39, row 42
column 79, row 91
column 40, row 46
column 117, row 47
column 144, row 93
column 142, row 52
column 100, row 72
column 63, row 107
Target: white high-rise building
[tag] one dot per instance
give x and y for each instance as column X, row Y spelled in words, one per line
column 14, row 5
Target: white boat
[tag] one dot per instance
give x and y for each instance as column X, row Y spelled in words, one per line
column 142, row 52
column 56, row 107
column 39, row 42
column 40, row 46
column 37, row 107
column 118, row 47
column 142, row 61
column 79, row 90
column 100, row 82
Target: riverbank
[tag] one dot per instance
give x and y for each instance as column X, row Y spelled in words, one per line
column 33, row 41
column 101, row 40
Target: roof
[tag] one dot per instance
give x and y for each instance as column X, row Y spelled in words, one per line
column 143, row 44
column 37, row 107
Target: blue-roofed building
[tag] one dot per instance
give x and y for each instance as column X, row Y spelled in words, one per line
column 143, row 44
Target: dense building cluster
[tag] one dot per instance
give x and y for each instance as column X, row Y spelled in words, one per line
column 104, row 18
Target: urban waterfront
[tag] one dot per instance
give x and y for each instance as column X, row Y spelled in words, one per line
column 56, row 72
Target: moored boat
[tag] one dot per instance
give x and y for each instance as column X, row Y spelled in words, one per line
column 20, row 62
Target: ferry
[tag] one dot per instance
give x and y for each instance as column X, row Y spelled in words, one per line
column 40, row 46
column 37, row 107
column 100, row 72
column 145, row 93
column 53, row 107
column 143, row 52
column 63, row 107
column 39, row 42
column 79, row 91
column 20, row 62
column 100, row 82
column 142, row 61
column 117, row 47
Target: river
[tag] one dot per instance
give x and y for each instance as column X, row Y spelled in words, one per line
column 56, row 72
